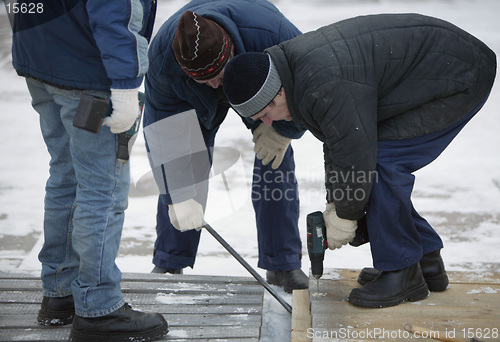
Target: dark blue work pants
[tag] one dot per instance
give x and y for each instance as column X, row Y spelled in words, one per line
column 399, row 236
column 276, row 204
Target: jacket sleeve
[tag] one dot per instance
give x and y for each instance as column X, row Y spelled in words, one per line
column 174, row 142
column 347, row 115
column 118, row 28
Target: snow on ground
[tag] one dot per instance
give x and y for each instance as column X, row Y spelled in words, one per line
column 459, row 193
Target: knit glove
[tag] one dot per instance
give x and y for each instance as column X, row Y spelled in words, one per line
column 339, row 231
column 125, row 110
column 186, row 215
column 270, row 145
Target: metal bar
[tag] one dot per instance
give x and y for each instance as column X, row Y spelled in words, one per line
column 248, row 267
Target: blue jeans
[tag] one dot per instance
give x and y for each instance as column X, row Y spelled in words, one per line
column 399, row 236
column 85, row 199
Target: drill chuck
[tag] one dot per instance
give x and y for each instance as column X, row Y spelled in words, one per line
column 317, row 264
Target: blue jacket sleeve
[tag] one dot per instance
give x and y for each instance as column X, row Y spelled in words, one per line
column 117, row 27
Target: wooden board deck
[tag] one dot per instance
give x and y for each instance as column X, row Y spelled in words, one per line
column 197, row 308
column 469, row 308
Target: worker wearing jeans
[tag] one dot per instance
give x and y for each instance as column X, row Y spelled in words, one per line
column 98, row 49
column 87, row 187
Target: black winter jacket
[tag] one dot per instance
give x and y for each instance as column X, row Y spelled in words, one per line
column 378, row 77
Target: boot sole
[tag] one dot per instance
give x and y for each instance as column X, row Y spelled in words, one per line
column 142, row 336
column 412, row 295
column 287, row 289
column 274, row 281
column 280, row 284
column 53, row 318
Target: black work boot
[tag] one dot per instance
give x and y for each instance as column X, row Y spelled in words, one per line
column 56, row 311
column 161, row 270
column 433, row 270
column 432, row 266
column 123, row 324
column 288, row 280
column 391, row 288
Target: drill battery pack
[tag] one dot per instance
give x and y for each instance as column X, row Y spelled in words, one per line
column 92, row 110
column 90, row 113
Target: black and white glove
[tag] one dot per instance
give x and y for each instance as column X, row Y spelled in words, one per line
column 125, row 110
column 186, row 215
column 339, row 231
column 270, row 145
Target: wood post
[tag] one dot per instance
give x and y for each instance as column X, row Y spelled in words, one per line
column 301, row 316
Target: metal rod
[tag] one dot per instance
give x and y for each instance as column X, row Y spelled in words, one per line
column 248, row 267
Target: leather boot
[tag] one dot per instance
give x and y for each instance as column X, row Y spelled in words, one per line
column 56, row 311
column 288, row 280
column 161, row 270
column 123, row 324
column 432, row 266
column 433, row 270
column 391, row 288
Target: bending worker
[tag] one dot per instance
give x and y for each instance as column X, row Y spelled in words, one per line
column 386, row 94
column 185, row 107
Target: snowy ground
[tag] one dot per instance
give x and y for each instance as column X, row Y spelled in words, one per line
column 459, row 193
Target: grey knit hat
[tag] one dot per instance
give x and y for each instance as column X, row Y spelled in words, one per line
column 250, row 82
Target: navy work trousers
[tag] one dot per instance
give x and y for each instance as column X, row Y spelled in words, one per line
column 399, row 236
column 276, row 203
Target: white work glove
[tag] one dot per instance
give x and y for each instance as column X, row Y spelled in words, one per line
column 125, row 110
column 186, row 215
column 339, row 231
column 270, row 145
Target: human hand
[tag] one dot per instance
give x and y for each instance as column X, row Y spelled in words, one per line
column 125, row 110
column 270, row 145
column 186, row 215
column 339, row 231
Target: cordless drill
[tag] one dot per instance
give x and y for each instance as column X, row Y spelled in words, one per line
column 317, row 240
column 92, row 110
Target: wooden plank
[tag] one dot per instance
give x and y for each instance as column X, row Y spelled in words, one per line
column 250, row 309
column 155, row 298
column 469, row 277
column 182, row 287
column 301, row 315
column 152, row 277
column 187, row 333
column 204, row 309
column 176, row 319
column 470, row 307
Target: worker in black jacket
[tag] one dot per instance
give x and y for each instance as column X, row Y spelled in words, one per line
column 386, row 94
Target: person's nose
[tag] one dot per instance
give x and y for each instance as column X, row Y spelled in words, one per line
column 267, row 121
column 214, row 83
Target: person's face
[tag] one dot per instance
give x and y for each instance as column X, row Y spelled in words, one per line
column 215, row 82
column 276, row 110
